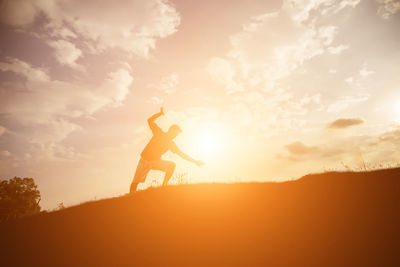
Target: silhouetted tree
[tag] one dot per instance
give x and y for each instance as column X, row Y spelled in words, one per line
column 19, row 197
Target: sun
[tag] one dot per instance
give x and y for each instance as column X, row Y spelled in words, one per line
column 209, row 143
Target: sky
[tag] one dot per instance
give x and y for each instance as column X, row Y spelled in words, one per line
column 263, row 90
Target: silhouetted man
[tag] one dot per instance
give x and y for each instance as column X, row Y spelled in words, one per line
column 160, row 143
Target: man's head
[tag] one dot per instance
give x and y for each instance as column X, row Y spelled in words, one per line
column 174, row 131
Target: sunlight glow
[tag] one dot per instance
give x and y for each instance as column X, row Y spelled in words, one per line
column 209, row 143
column 213, row 142
column 397, row 107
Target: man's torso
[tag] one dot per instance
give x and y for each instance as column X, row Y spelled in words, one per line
column 157, row 146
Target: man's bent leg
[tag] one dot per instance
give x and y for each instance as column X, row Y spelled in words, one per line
column 166, row 166
column 168, row 173
column 141, row 172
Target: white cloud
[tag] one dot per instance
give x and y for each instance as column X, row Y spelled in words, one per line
column 66, row 52
column 337, row 49
column 222, row 71
column 349, row 80
column 46, row 106
column 273, row 45
column 168, row 83
column 358, row 82
column 156, row 101
column 116, row 87
column 132, row 26
column 364, row 71
column 300, row 10
column 345, row 101
column 267, row 51
column 332, row 71
column 24, row 69
column 391, row 136
column 387, row 8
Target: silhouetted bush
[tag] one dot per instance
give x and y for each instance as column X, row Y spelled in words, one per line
column 19, row 197
column 180, row 178
column 60, row 206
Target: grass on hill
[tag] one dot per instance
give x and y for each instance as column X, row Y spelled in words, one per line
column 336, row 219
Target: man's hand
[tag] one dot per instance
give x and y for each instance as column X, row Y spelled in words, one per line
column 153, row 126
column 199, row 163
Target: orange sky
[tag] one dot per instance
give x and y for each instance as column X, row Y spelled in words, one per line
column 263, row 90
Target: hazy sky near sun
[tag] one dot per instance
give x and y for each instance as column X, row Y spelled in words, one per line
column 280, row 88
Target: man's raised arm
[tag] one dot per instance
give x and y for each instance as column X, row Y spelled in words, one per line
column 153, row 126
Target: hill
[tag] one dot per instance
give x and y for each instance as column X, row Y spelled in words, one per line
column 326, row 219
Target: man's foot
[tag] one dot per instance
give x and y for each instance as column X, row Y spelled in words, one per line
column 133, row 188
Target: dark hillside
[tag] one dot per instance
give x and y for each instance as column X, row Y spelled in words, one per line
column 328, row 219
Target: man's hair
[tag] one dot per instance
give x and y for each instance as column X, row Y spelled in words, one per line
column 175, row 127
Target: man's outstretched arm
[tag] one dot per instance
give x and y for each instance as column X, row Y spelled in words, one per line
column 177, row 151
column 153, row 126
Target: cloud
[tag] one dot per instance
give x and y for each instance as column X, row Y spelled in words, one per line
column 269, row 66
column 44, row 108
column 303, row 10
column 355, row 151
column 25, row 70
column 66, row 52
column 337, row 49
column 156, row 101
column 343, row 123
column 345, row 101
column 387, row 8
column 223, row 72
column 168, row 83
column 365, row 72
column 298, row 151
column 392, row 136
column 275, row 44
column 116, row 87
column 2, row 130
column 132, row 26
column 299, row 148
column 372, row 149
column 268, row 51
column 39, row 110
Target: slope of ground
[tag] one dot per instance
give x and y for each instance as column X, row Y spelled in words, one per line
column 328, row 219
